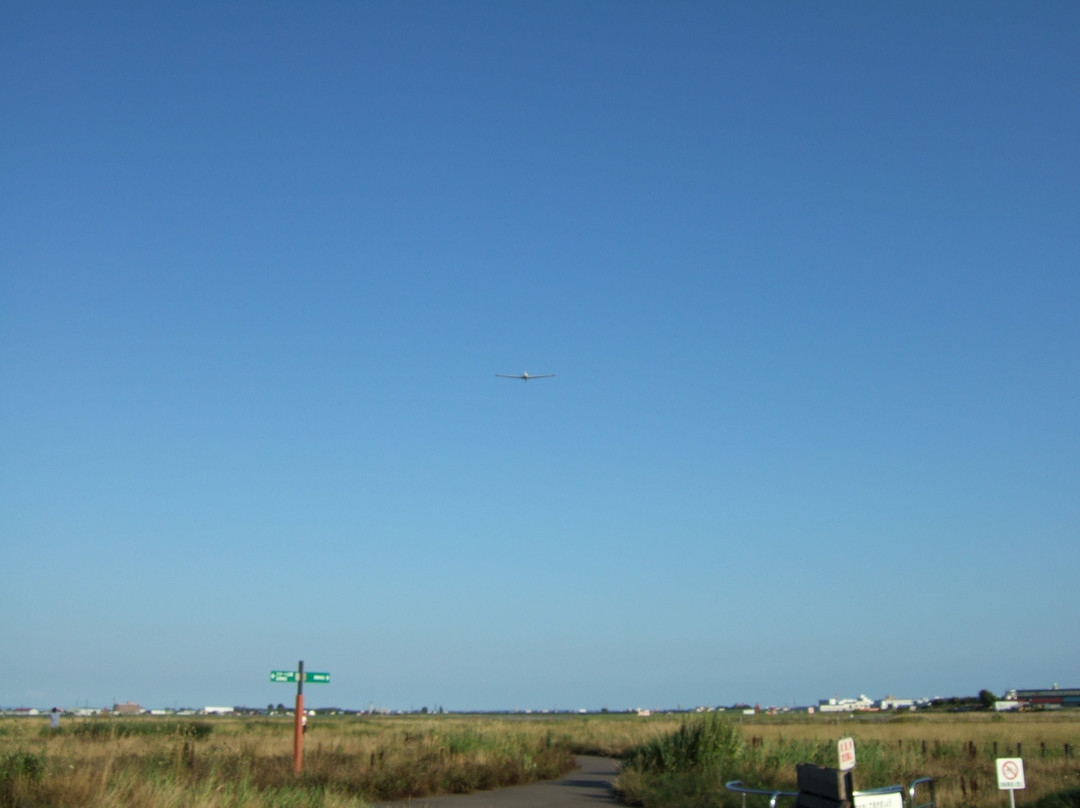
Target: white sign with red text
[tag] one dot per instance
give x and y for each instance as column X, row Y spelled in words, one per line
column 845, row 750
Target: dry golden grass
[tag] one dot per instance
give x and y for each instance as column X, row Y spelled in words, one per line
column 349, row 761
column 1053, row 728
column 956, row 750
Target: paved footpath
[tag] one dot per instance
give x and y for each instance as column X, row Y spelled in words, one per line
column 587, row 787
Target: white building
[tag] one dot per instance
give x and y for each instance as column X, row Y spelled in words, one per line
column 845, row 705
column 897, row 704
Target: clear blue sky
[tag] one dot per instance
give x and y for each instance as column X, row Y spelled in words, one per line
column 807, row 272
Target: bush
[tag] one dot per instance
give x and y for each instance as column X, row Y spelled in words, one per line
column 704, row 743
column 21, row 774
column 20, row 764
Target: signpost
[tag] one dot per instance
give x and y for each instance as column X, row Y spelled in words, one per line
column 299, row 677
column 1010, row 776
column 292, row 676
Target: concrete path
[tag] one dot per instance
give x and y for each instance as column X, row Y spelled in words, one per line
column 587, row 787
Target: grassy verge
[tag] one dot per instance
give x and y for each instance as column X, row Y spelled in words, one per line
column 668, row 761
column 690, row 765
column 346, row 763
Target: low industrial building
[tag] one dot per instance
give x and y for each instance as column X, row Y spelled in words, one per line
column 1053, row 699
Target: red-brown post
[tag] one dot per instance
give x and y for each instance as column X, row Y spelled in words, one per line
column 298, row 724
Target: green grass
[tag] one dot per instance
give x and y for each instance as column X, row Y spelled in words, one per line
column 697, row 745
column 690, row 765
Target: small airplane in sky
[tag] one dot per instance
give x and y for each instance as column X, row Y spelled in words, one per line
column 525, row 376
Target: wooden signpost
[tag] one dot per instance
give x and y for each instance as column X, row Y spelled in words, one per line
column 299, row 677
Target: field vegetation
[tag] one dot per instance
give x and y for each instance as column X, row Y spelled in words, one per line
column 149, row 762
column 690, row 765
column 667, row 760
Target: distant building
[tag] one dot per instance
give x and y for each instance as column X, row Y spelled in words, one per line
column 845, row 705
column 1053, row 699
column 897, row 704
column 218, row 710
column 127, row 708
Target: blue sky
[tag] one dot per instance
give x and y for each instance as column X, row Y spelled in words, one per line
column 807, row 273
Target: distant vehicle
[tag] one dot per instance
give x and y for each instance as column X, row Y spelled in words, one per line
column 525, row 376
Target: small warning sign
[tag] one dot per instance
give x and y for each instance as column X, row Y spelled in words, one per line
column 845, row 750
column 1010, row 773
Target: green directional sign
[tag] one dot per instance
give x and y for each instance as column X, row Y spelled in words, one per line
column 309, row 678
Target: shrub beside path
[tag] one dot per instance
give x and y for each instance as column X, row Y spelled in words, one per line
column 589, row 786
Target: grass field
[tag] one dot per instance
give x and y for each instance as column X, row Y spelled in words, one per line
column 957, row 750
column 154, row 762
column 203, row 763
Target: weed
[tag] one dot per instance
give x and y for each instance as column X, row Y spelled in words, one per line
column 698, row 744
column 22, row 764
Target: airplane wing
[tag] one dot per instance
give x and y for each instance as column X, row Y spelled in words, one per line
column 508, row 376
column 542, row 376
